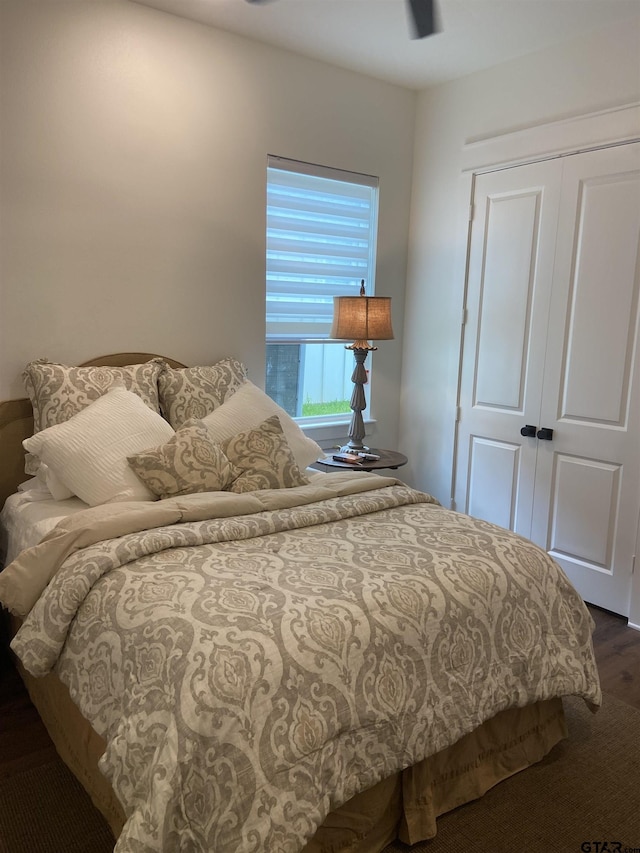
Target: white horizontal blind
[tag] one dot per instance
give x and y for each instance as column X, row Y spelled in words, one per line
column 321, row 242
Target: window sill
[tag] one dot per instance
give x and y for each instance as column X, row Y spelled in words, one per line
column 330, row 433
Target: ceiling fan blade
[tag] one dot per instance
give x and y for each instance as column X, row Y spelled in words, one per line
column 423, row 16
column 423, row 13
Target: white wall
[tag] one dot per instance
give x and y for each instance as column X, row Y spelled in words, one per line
column 132, row 170
column 589, row 74
column 132, row 178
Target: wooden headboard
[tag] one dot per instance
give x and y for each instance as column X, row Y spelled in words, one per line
column 16, row 421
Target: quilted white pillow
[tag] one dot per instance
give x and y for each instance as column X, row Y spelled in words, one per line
column 59, row 492
column 88, row 453
column 248, row 408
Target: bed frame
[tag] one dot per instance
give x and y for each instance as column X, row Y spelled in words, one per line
column 404, row 806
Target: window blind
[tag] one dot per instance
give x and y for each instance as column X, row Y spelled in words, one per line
column 321, row 242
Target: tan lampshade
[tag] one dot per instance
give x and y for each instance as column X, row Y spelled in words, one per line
column 362, row 318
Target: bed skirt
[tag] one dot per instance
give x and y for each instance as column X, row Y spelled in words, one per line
column 405, row 806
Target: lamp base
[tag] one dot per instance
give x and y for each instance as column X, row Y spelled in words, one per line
column 355, row 447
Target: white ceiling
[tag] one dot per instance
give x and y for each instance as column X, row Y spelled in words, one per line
column 375, row 36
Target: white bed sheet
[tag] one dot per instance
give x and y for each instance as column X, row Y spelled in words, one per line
column 24, row 521
column 28, row 515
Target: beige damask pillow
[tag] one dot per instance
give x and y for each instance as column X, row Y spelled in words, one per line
column 58, row 391
column 264, row 457
column 193, row 392
column 189, row 462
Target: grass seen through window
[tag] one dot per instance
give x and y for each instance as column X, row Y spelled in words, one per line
column 334, row 407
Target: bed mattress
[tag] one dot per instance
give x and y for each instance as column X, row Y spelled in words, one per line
column 31, row 513
column 27, row 517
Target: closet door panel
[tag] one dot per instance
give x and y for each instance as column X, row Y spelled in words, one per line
column 508, row 281
column 508, row 291
column 601, row 336
column 587, row 492
column 495, row 468
column 581, row 489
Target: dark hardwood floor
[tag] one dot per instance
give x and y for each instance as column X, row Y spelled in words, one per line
column 617, row 649
column 24, row 741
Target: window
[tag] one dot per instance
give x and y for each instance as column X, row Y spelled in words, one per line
column 321, row 242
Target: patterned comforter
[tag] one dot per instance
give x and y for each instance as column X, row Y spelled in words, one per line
column 254, row 661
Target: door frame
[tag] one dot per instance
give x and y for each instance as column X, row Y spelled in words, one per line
column 603, row 129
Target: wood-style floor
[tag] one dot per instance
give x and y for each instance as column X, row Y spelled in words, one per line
column 24, row 741
column 617, row 650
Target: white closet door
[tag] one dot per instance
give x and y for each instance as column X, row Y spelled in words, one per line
column 588, row 477
column 508, row 291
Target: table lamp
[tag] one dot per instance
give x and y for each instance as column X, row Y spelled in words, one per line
column 360, row 319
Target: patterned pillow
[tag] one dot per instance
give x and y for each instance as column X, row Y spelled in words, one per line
column 58, row 392
column 193, row 392
column 265, row 458
column 189, row 462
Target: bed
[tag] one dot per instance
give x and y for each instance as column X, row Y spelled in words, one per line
column 275, row 659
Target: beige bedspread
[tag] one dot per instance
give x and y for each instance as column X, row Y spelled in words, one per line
column 252, row 671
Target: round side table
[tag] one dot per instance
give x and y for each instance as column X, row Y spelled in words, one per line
column 388, row 459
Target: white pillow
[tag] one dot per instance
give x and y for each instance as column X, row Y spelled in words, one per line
column 35, row 489
column 250, row 406
column 88, row 453
column 55, row 486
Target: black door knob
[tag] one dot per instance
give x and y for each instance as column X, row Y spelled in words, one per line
column 545, row 434
column 528, row 431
